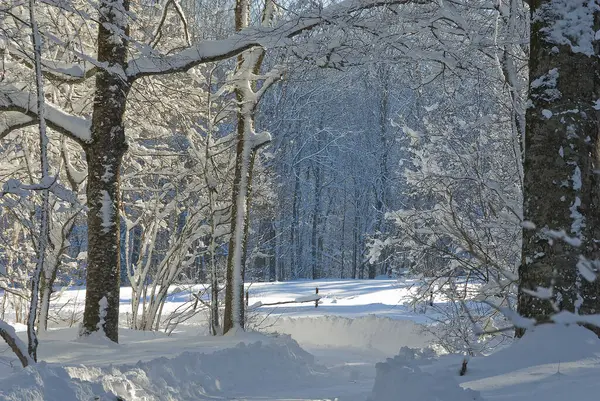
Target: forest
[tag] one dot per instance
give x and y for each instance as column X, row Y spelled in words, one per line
column 214, row 148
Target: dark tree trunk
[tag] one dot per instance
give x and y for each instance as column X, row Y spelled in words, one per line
column 294, row 233
column 272, row 240
column 315, row 224
column 343, row 242
column 355, row 235
column 280, row 260
column 381, row 184
column 104, row 156
column 560, row 184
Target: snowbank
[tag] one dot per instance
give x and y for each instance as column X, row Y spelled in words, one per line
column 242, row 370
column 44, row 382
column 371, row 332
column 550, row 363
column 402, row 378
column 547, row 344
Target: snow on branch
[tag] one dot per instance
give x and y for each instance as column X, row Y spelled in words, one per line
column 58, row 70
column 13, row 99
column 566, row 317
column 216, row 50
column 12, row 120
column 7, row 332
column 16, row 187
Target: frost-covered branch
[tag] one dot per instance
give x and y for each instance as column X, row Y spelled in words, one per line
column 57, row 70
column 158, row 33
column 268, row 37
column 11, row 121
column 13, row 99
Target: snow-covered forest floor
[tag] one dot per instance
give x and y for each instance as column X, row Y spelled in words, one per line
column 332, row 353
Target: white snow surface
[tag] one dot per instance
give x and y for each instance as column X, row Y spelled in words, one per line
column 402, row 378
column 367, row 332
column 338, row 350
column 237, row 371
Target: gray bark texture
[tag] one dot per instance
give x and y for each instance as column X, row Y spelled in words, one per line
column 560, row 176
column 104, row 156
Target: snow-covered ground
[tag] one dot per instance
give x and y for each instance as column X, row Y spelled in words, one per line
column 338, row 350
column 347, row 298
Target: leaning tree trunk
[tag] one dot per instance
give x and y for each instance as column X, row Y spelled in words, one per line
column 104, row 156
column 560, row 170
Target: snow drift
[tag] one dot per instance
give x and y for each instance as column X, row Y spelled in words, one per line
column 402, row 378
column 371, row 332
column 548, row 344
column 544, row 350
column 190, row 376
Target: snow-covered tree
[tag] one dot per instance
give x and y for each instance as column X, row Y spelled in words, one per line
column 122, row 53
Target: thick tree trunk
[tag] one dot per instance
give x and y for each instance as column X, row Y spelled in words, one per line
column 104, row 156
column 560, row 170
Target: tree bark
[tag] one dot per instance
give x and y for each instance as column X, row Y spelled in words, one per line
column 234, row 289
column 43, row 239
column 381, row 184
column 294, row 232
column 104, row 156
column 560, row 184
column 316, row 217
column 272, row 240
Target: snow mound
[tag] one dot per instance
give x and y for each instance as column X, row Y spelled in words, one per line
column 371, row 332
column 402, row 378
column 44, row 382
column 548, row 344
column 238, row 370
column 190, row 376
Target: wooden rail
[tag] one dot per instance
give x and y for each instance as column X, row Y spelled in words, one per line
column 311, row 298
